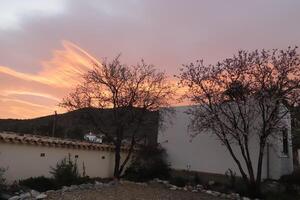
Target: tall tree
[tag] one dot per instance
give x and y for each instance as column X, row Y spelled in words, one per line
column 127, row 94
column 243, row 97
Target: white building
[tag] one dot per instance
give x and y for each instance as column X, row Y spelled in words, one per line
column 206, row 154
column 27, row 156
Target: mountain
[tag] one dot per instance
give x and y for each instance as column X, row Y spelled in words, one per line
column 75, row 124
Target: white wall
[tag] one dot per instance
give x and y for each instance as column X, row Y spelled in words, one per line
column 206, row 154
column 24, row 161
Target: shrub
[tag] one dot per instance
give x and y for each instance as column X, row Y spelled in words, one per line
column 2, row 179
column 293, row 178
column 65, row 173
column 179, row 181
column 40, row 183
column 149, row 163
column 196, row 179
column 231, row 176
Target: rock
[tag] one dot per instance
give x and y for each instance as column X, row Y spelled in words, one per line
column 245, row 198
column 211, row 183
column 100, row 183
column 73, row 187
column 65, row 189
column 50, row 191
column 216, row 194
column 199, row 186
column 24, row 196
column 223, row 195
column 34, row 193
column 208, row 192
column 41, row 196
column 173, row 187
column 14, row 198
column 190, row 188
column 165, row 182
column 194, row 190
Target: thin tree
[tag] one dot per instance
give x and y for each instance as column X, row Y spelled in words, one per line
column 126, row 96
column 243, row 97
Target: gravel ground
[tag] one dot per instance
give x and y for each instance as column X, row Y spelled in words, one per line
column 131, row 192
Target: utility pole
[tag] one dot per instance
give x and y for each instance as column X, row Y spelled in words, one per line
column 54, row 123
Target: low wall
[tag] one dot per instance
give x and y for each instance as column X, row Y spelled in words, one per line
column 24, row 160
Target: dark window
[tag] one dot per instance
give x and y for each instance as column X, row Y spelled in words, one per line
column 42, row 154
column 285, row 143
column 76, row 156
column 103, row 157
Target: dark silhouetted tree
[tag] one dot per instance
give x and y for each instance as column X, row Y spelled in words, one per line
column 243, row 97
column 126, row 94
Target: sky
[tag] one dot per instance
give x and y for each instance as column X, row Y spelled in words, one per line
column 45, row 45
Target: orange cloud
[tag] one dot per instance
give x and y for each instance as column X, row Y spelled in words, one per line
column 56, row 78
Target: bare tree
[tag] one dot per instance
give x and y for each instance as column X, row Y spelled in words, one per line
column 126, row 95
column 243, row 97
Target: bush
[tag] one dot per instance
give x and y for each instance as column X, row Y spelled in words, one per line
column 66, row 173
column 2, row 179
column 293, row 178
column 40, row 183
column 179, row 181
column 149, row 163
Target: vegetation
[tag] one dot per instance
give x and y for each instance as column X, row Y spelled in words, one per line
column 65, row 173
column 243, row 97
column 39, row 183
column 130, row 92
column 149, row 163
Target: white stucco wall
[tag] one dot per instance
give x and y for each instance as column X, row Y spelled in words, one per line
column 24, row 161
column 206, row 154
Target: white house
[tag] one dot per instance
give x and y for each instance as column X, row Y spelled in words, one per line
column 27, row 156
column 206, row 154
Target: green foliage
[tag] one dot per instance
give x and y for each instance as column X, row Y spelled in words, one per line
column 149, row 163
column 66, row 172
column 39, row 183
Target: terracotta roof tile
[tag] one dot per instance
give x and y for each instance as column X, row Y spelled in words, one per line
column 11, row 137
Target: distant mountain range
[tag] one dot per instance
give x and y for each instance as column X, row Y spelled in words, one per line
column 75, row 124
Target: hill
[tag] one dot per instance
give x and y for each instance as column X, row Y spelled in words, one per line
column 75, row 124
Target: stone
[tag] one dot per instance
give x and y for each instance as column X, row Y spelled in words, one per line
column 208, row 192
column 173, row 187
column 199, row 186
column 34, row 193
column 100, row 183
column 245, row 198
column 50, row 191
column 165, row 182
column 223, row 195
column 73, row 188
column 14, row 198
column 194, row 190
column 216, row 194
column 211, row 183
column 24, row 196
column 65, row 189
column 41, row 196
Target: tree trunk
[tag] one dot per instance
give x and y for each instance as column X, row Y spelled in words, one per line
column 117, row 161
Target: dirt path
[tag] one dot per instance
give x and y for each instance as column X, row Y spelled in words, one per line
column 131, row 192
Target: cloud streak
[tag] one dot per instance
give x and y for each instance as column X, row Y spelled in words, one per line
column 57, row 77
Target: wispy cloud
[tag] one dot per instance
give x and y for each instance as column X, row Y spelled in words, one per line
column 56, row 78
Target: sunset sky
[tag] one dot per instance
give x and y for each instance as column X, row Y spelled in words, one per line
column 46, row 44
